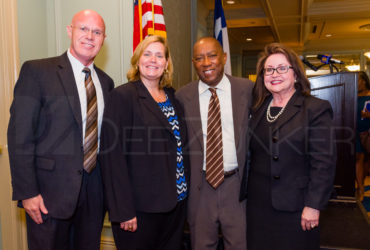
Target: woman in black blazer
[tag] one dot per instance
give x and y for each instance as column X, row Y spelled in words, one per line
column 143, row 164
column 292, row 155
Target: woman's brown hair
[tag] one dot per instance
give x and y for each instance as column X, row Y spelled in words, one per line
column 302, row 85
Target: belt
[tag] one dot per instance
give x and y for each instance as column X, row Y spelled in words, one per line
column 230, row 173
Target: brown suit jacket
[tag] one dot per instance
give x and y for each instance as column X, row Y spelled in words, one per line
column 241, row 90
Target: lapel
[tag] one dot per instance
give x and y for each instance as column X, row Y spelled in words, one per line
column 193, row 118
column 259, row 113
column 103, row 84
column 152, row 106
column 239, row 104
column 292, row 108
column 68, row 81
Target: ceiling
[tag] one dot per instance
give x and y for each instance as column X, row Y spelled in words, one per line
column 304, row 25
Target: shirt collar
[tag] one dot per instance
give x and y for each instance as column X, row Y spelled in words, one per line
column 76, row 64
column 222, row 85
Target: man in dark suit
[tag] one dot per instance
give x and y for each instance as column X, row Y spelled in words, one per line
column 53, row 139
column 214, row 198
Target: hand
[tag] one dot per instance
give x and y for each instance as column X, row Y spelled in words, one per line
column 33, row 206
column 309, row 218
column 130, row 225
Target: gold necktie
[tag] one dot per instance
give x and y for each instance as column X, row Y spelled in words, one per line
column 91, row 132
column 214, row 153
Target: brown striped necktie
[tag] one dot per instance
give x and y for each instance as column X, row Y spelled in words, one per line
column 91, row 131
column 214, row 153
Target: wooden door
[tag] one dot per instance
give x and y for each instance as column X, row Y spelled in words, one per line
column 340, row 89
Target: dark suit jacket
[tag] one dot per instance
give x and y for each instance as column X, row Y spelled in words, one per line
column 139, row 153
column 303, row 154
column 45, row 134
column 241, row 90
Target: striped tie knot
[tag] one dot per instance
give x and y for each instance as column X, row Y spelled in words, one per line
column 87, row 72
column 213, row 92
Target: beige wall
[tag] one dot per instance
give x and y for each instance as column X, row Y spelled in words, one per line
column 203, row 17
column 33, row 24
column 178, row 23
column 42, row 26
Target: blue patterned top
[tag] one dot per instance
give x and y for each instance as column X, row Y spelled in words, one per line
column 169, row 112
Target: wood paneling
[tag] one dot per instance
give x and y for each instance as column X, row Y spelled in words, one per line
column 340, row 90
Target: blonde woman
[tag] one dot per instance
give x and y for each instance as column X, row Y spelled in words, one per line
column 144, row 168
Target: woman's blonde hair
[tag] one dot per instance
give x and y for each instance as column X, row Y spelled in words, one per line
column 133, row 74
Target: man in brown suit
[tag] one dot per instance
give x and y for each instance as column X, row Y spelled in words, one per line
column 210, row 207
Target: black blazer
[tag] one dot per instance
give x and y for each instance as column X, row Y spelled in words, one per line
column 139, row 153
column 302, row 153
column 45, row 134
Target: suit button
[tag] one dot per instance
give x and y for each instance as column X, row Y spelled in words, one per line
column 276, row 177
column 274, row 139
column 275, row 157
column 80, row 171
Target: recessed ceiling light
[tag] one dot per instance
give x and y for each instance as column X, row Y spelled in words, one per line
column 230, row 2
column 365, row 27
column 249, row 39
column 328, row 35
column 353, row 67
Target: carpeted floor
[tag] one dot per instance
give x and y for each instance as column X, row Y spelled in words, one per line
column 346, row 225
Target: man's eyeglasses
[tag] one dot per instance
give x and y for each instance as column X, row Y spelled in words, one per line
column 280, row 70
column 85, row 30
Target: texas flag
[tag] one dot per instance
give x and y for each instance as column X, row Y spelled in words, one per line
column 220, row 33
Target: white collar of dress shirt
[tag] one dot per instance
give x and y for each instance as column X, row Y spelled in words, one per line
column 76, row 64
column 222, row 85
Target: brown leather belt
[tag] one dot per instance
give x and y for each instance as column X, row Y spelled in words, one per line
column 230, row 173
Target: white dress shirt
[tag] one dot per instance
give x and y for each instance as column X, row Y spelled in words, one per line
column 223, row 90
column 77, row 68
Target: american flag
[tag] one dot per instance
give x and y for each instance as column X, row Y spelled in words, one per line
column 148, row 20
